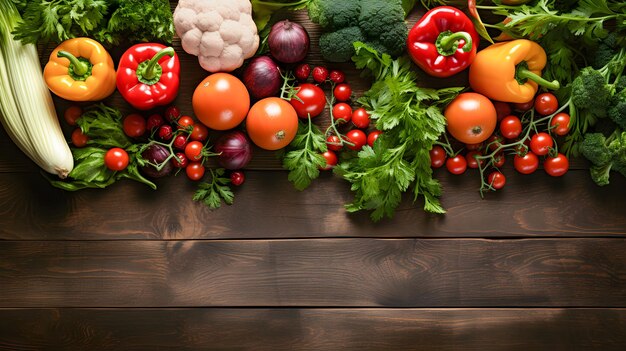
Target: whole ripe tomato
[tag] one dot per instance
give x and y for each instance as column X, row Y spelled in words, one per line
column 523, row 106
column 358, row 138
column 72, row 114
column 510, row 127
column 116, row 159
column 456, row 165
column 134, row 125
column 526, row 164
column 342, row 92
column 556, row 166
column 560, row 123
column 471, row 118
column 237, row 178
column 342, row 112
column 185, row 122
column 503, row 109
column 360, row 118
column 193, row 150
column 331, row 160
column 499, row 159
column 496, row 179
column 195, row 170
column 272, row 123
column 334, row 143
column 312, row 100
column 372, row 137
column 472, row 162
column 546, row 104
column 221, row 101
column 79, row 139
column 199, row 132
column 541, row 143
column 437, row 157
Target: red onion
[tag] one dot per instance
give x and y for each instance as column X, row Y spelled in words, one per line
column 156, row 154
column 288, row 42
column 262, row 77
column 234, row 149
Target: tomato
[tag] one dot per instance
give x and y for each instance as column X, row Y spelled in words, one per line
column 180, row 142
column 313, row 100
column 356, row 137
column 134, row 125
column 195, row 171
column 472, row 162
column 116, row 159
column 342, row 92
column 72, row 114
column 496, row 179
column 471, row 118
column 221, row 101
column 526, row 164
column 79, row 139
column 494, row 142
column 237, row 178
column 154, row 121
column 172, row 114
column 342, row 112
column 437, row 157
column 337, row 76
column 372, row 137
column 546, row 104
column 541, row 143
column 334, row 143
column 456, row 165
column 320, row 74
column 499, row 159
column 185, row 122
column 524, row 106
column 272, row 123
column 474, row 147
column 331, row 160
column 510, row 127
column 193, row 150
column 302, row 71
column 166, row 132
column 180, row 161
column 560, row 123
column 556, row 166
column 360, row 118
column 503, row 109
column 199, row 132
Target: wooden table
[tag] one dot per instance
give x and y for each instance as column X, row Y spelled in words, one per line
column 540, row 265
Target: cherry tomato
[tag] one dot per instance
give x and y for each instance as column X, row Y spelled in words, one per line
column 342, row 112
column 494, row 142
column 456, row 165
column 193, row 150
column 496, row 179
column 237, row 178
column 185, row 122
column 360, row 118
column 556, row 166
column 180, row 161
column 79, row 139
column 356, row 137
column 310, row 99
column 342, row 92
column 154, row 121
column 372, row 137
column 560, row 123
column 195, row 170
column 526, row 164
column 134, row 125
column 499, row 159
column 166, row 132
column 334, row 143
column 472, row 162
column 172, row 114
column 474, row 147
column 320, row 74
column 510, row 127
column 471, row 118
column 546, row 104
column 523, row 106
column 199, row 132
column 337, row 76
column 541, row 143
column 72, row 114
column 503, row 109
column 116, row 159
column 272, row 123
column 331, row 160
column 221, row 101
column 180, row 142
column 437, row 157
column 302, row 72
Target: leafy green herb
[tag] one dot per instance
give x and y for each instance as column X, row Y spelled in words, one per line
column 411, row 120
column 104, row 127
column 305, row 158
column 214, row 192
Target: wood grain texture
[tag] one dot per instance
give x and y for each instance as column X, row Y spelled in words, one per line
column 267, row 206
column 333, row 272
column 313, row 329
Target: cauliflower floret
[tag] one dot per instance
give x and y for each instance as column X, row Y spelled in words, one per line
column 220, row 32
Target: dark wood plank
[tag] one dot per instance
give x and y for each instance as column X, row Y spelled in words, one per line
column 333, row 272
column 313, row 329
column 267, row 206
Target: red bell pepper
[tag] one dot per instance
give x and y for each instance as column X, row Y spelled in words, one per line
column 148, row 75
column 443, row 42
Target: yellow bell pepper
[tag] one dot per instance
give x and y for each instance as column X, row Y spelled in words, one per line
column 80, row 69
column 510, row 71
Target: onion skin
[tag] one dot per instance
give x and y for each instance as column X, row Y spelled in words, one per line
column 288, row 42
column 156, row 154
column 235, row 151
column 262, row 77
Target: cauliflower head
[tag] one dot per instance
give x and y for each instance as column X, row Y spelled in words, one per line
column 220, row 32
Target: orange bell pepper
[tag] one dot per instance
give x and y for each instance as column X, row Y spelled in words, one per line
column 510, row 71
column 80, row 69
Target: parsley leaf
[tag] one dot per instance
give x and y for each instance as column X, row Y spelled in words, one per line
column 305, row 158
column 214, row 192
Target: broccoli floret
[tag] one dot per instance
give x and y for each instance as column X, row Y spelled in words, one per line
column 591, row 92
column 337, row 46
column 394, row 39
column 606, row 51
column 376, row 16
column 605, row 154
column 617, row 111
column 334, row 14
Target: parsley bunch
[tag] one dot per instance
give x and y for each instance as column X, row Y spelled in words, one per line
column 305, row 158
column 411, row 120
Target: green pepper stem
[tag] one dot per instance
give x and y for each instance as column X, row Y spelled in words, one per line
column 524, row 73
column 448, row 42
column 150, row 72
column 80, row 68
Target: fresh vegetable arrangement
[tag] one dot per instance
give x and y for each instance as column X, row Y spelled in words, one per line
column 549, row 86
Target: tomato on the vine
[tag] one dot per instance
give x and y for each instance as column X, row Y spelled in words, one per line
column 510, row 127
column 556, row 166
column 473, row 147
column 310, row 99
column 79, row 139
column 166, row 132
column 560, row 123
column 546, row 104
column 503, row 109
column 456, row 165
column 337, row 76
column 494, row 142
column 199, row 132
column 342, row 92
column 496, row 179
column 195, row 170
column 343, row 112
column 134, row 125
column 320, row 74
column 331, row 160
column 472, row 162
column 524, row 106
column 237, row 178
column 172, row 114
column 541, row 143
column 72, row 114
column 116, row 159
column 334, row 143
column 193, row 150
column 180, row 142
column 180, row 160
column 371, row 137
column 360, row 118
column 302, row 72
column 499, row 159
column 358, row 138
column 437, row 157
column 526, row 164
column 185, row 122
column 154, row 121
